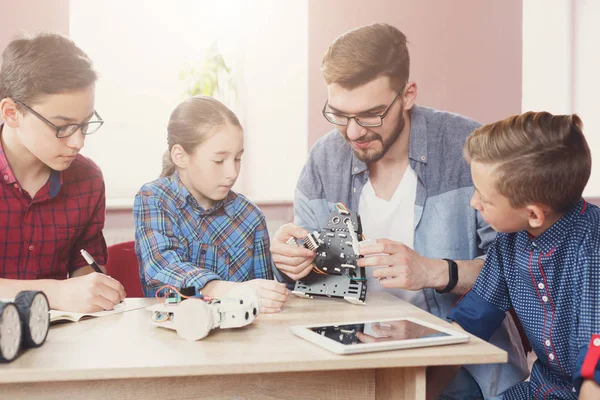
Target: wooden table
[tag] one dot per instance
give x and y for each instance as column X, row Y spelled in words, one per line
column 123, row 357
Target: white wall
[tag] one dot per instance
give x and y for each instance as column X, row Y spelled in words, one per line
column 586, row 81
column 139, row 56
column 275, row 67
column 560, row 66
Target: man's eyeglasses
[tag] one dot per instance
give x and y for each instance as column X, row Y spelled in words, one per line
column 368, row 120
column 63, row 131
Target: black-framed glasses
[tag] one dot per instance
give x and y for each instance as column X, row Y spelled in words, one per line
column 367, row 120
column 63, row 131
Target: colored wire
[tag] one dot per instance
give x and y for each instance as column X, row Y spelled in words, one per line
column 341, row 207
column 356, row 279
column 161, row 317
column 208, row 299
column 173, row 288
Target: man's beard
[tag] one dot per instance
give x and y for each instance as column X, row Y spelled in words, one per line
column 372, row 157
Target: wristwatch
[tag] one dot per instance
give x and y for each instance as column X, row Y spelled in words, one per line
column 453, row 273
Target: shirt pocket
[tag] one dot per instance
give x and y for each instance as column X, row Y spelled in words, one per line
column 208, row 256
column 229, row 262
column 62, row 242
column 241, row 263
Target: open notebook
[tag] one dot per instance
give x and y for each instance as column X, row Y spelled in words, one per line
column 126, row 305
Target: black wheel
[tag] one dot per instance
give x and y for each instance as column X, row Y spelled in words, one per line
column 34, row 310
column 10, row 331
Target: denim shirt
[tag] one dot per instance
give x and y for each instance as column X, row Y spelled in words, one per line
column 445, row 224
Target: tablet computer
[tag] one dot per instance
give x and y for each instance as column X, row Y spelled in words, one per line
column 378, row 335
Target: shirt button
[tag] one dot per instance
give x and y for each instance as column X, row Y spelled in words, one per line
column 31, row 247
column 551, row 356
column 5, row 177
column 17, row 185
column 541, row 285
column 203, row 252
column 533, row 244
column 548, row 343
column 355, row 169
column 545, row 299
column 354, row 190
column 597, row 342
column 423, row 158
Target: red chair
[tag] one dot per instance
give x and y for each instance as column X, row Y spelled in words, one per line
column 123, row 266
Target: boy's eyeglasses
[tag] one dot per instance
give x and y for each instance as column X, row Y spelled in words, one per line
column 367, row 121
column 63, row 131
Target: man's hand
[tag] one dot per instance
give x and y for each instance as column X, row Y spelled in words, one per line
column 88, row 293
column 295, row 262
column 403, row 267
column 273, row 294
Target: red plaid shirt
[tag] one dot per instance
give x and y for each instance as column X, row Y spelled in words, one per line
column 40, row 238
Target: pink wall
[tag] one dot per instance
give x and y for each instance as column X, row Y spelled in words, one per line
column 465, row 55
column 32, row 16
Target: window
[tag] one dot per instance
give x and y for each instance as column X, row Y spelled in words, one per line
column 140, row 47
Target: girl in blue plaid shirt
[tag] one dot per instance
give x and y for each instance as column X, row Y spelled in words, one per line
column 191, row 228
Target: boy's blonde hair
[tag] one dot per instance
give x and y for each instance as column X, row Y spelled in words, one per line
column 540, row 157
column 193, row 121
column 366, row 53
column 44, row 64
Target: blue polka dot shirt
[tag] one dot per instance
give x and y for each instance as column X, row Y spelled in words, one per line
column 553, row 283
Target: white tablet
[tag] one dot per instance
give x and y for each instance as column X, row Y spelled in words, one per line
column 378, row 335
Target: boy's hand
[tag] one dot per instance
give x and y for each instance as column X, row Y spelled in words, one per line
column 89, row 293
column 272, row 294
column 295, row 262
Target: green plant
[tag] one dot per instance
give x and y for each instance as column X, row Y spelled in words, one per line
column 211, row 78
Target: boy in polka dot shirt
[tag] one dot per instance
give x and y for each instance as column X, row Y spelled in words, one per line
column 529, row 172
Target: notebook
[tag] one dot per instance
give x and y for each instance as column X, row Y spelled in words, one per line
column 58, row 316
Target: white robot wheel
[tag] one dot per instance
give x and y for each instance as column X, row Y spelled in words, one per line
column 193, row 319
column 34, row 311
column 10, row 331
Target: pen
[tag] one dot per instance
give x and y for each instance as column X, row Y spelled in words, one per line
column 90, row 260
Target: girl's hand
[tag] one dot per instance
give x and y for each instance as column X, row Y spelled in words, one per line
column 272, row 294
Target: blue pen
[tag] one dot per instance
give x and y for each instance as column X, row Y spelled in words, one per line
column 90, row 260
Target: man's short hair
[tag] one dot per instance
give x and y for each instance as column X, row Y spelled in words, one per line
column 44, row 64
column 366, row 53
column 540, row 157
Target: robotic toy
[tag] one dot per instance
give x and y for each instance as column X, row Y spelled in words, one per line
column 24, row 323
column 193, row 317
column 335, row 270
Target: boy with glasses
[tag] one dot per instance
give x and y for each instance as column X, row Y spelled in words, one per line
column 53, row 198
column 400, row 166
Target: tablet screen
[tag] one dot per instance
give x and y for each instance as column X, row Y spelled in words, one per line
column 372, row 332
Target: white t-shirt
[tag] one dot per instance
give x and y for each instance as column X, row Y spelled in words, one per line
column 393, row 220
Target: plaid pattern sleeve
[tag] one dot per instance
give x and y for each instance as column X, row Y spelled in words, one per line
column 181, row 244
column 262, row 252
column 91, row 238
column 160, row 250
